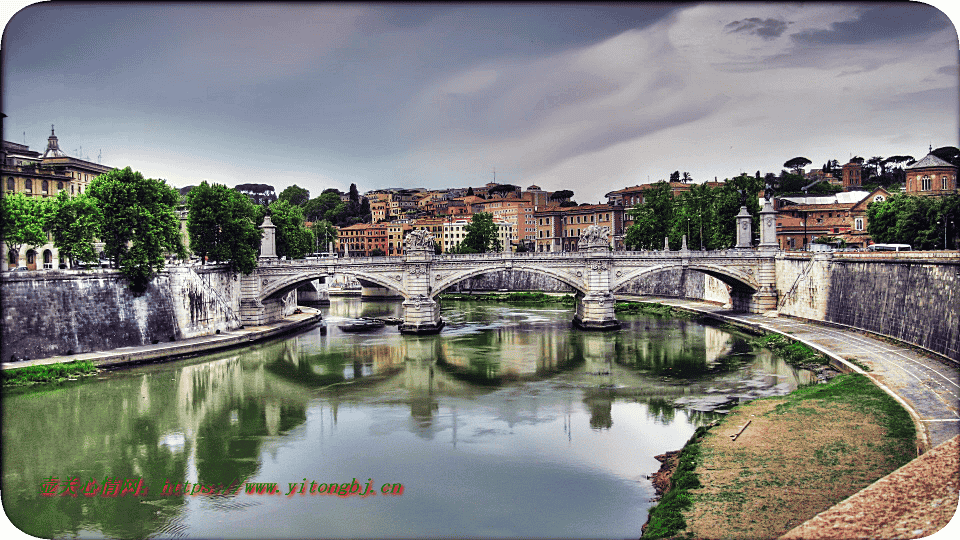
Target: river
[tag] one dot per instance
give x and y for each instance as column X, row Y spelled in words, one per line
column 507, row 424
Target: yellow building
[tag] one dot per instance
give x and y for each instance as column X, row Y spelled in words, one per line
column 32, row 174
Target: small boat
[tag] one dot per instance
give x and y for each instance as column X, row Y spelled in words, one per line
column 392, row 321
column 362, row 325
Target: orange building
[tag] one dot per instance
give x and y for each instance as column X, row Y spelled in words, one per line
column 559, row 228
column 931, row 176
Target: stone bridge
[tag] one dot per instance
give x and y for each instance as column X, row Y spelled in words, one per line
column 594, row 271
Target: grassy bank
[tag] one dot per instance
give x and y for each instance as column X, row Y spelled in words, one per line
column 799, row 455
column 792, row 352
column 652, row 308
column 531, row 297
column 30, row 375
column 666, row 517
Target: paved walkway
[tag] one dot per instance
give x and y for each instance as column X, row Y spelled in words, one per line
column 928, row 387
column 184, row 347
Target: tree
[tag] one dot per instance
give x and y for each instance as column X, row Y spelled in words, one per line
column 950, row 154
column 377, row 252
column 294, row 240
column 327, row 206
column 469, row 192
column 687, row 178
column 260, row 194
column 502, row 189
column 906, row 219
column 675, row 176
column 876, row 164
column 797, row 163
column 562, row 195
column 294, row 195
column 324, row 232
column 651, row 219
column 222, row 226
column 75, row 224
column 140, row 225
column 22, row 221
column 481, row 235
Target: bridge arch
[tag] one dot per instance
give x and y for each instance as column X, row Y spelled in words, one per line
column 283, row 286
column 459, row 277
column 736, row 279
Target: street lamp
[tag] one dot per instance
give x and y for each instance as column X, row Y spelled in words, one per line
column 699, row 215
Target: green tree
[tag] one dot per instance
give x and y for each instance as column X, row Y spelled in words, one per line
column 222, row 226
column 294, row 240
column 481, row 235
column 23, row 221
column 140, row 225
column 324, row 232
column 918, row 221
column 652, row 219
column 294, row 195
column 562, row 195
column 377, row 252
column 502, row 190
column 325, row 207
column 675, row 176
column 797, row 163
column 75, row 225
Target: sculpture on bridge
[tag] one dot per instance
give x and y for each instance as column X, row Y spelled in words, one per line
column 419, row 239
column 594, row 236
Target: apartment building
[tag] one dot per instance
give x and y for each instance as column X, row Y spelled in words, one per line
column 559, row 228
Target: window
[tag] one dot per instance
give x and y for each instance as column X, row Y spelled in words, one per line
column 45, row 186
column 925, row 183
column 28, row 185
column 10, row 184
column 31, row 257
column 60, row 186
column 945, row 182
column 858, row 224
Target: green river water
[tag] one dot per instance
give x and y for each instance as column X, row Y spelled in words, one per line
column 507, row 424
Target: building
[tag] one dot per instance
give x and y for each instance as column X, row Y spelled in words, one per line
column 931, row 176
column 361, row 239
column 802, row 220
column 559, row 228
column 454, row 231
column 517, row 212
column 851, row 176
column 47, row 175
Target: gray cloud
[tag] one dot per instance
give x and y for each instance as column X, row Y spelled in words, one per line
column 884, row 22
column 765, row 28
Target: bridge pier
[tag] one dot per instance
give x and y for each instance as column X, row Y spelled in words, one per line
column 421, row 313
column 595, row 308
column 595, row 312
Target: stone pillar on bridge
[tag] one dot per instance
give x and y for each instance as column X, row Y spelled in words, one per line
column 268, row 242
column 421, row 313
column 595, row 308
column 744, row 229
column 768, row 227
column 253, row 312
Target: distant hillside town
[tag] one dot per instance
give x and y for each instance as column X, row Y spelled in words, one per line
column 827, row 205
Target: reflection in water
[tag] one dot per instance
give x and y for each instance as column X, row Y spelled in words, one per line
column 535, row 429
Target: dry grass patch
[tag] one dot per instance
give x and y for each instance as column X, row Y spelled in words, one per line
column 800, row 455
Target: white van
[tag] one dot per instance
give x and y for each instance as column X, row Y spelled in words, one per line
column 889, row 247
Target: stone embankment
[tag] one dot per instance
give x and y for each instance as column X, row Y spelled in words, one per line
column 240, row 337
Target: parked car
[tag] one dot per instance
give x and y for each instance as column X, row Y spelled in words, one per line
column 20, row 269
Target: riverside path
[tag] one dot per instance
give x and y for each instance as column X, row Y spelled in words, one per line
column 929, row 387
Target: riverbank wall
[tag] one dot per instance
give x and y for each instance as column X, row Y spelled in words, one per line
column 62, row 313
column 911, row 297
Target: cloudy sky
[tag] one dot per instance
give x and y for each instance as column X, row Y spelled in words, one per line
column 585, row 97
